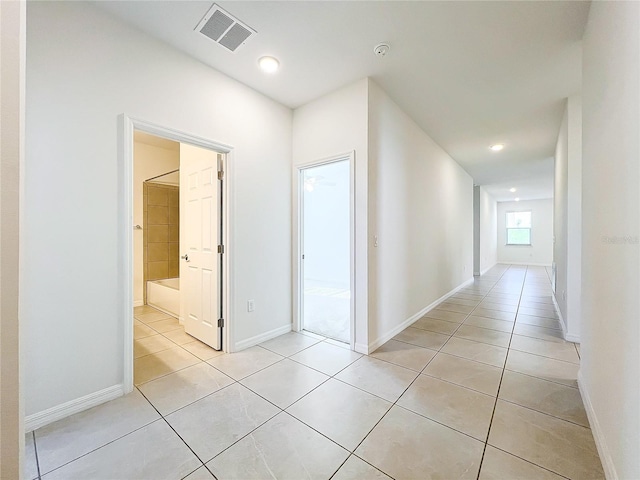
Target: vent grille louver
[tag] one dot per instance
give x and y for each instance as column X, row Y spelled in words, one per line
column 224, row 29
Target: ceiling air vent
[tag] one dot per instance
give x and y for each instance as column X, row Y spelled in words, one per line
column 224, row 29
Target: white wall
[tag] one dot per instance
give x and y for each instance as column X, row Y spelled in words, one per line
column 488, row 231
column 610, row 369
column 567, row 218
column 421, row 210
column 541, row 250
column 329, row 126
column 84, row 69
column 149, row 161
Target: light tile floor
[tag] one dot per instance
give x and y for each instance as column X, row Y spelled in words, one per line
column 482, row 387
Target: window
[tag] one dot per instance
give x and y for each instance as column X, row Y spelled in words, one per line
column 518, row 228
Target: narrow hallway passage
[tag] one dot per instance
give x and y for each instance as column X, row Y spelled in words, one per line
column 482, row 387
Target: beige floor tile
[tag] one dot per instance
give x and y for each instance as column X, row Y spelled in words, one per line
column 179, row 336
column 404, row 354
column 174, row 391
column 380, row 378
column 244, row 363
column 217, row 421
column 435, row 325
column 544, row 299
column 200, row 474
column 67, row 439
column 535, row 304
column 543, row 367
column 468, row 296
column 153, row 452
column 356, row 469
column 565, row 351
column 523, row 319
column 289, row 343
column 557, row 445
column 343, row 413
column 422, row 338
column 499, row 465
column 485, row 312
column 484, row 335
column 140, row 330
column 201, row 350
column 326, row 357
column 463, row 301
column 539, row 312
column 162, row 363
column 455, row 307
column 337, row 343
column 501, row 307
column 281, row 448
column 405, row 445
column 480, row 352
column 477, row 376
column 143, row 309
column 457, row 407
column 454, row 317
column 490, row 323
column 30, row 462
column 153, row 317
column 151, row 344
column 284, row 382
column 548, row 334
column 166, row 325
column 547, row 397
column 503, row 299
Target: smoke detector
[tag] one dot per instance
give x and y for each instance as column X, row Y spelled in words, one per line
column 381, row 49
column 224, row 29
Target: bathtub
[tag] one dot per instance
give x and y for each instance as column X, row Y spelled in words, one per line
column 164, row 295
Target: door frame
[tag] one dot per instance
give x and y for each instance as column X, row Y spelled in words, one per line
column 126, row 126
column 298, row 266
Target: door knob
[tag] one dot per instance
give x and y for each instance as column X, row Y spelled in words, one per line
column 185, row 257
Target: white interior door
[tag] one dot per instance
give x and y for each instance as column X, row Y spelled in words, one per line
column 200, row 235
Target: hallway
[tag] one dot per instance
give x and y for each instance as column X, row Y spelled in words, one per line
column 483, row 386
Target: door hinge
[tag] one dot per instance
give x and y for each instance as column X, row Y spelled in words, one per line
column 221, row 322
column 220, row 248
column 220, row 174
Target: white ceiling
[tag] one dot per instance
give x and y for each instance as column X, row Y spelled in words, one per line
column 471, row 74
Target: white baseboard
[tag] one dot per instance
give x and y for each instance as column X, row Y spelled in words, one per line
column 569, row 337
column 138, row 303
column 263, row 337
column 525, row 264
column 40, row 419
column 605, row 456
column 392, row 333
column 361, row 348
column 164, row 310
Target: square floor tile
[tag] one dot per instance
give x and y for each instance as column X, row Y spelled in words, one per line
column 477, row 376
column 151, row 344
column 284, row 382
column 214, row 423
column 356, row 469
column 166, row 325
column 490, row 323
column 480, row 352
column 562, row 447
column 501, row 307
column 422, row 338
column 539, row 312
column 457, row 407
column 405, row 445
column 548, row 334
column 343, row 413
column 565, row 351
column 463, row 301
column 244, row 363
column 69, row 438
column 456, row 307
column 30, row 463
column 159, row 364
column 200, row 474
column 498, row 315
column 543, row 367
column 435, row 325
column 454, row 317
column 281, row 448
column 153, row 452
column 499, row 465
column 289, row 343
column 179, row 336
column 380, row 378
column 484, row 335
column 404, row 354
column 143, row 309
column 326, row 357
column 547, row 397
column 537, row 321
column 201, row 350
column 176, row 390
column 140, row 330
column 151, row 317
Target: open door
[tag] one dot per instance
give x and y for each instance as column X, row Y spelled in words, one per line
column 201, row 244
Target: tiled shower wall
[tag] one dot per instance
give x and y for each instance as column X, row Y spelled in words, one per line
column 161, row 237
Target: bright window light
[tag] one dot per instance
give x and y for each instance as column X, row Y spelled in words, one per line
column 519, row 228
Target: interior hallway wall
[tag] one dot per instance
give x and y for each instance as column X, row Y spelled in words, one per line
column 488, row 231
column 610, row 369
column 420, row 212
column 540, row 252
column 84, row 69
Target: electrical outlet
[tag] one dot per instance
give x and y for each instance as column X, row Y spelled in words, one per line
column 251, row 305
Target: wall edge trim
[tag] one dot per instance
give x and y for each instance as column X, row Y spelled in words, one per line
column 525, row 264
column 601, row 445
column 263, row 337
column 58, row 412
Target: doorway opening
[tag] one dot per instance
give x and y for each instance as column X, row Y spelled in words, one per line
column 326, row 247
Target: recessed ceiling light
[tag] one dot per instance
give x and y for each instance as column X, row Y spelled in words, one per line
column 269, row 64
column 497, row 147
column 512, row 189
column 517, row 199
